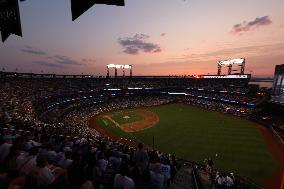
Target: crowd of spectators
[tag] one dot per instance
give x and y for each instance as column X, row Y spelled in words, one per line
column 81, row 117
column 224, row 180
column 41, row 157
column 236, row 110
column 34, row 154
column 65, row 152
column 239, row 98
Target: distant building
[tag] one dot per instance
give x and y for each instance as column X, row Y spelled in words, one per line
column 278, row 85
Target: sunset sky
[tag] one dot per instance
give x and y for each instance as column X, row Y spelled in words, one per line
column 158, row 37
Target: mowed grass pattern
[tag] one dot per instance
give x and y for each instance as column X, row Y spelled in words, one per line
column 196, row 134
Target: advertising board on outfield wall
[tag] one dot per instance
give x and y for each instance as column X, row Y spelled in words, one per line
column 225, row 76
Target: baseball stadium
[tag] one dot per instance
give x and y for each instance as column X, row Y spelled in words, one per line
column 199, row 127
column 163, row 94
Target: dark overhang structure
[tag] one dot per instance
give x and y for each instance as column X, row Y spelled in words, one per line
column 10, row 21
column 79, row 7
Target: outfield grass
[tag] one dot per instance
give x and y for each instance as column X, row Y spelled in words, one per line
column 196, row 134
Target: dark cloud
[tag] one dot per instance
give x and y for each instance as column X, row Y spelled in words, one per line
column 247, row 26
column 65, row 60
column 133, row 45
column 131, row 50
column 163, row 34
column 57, row 61
column 88, row 60
column 48, row 64
column 31, row 50
column 245, row 51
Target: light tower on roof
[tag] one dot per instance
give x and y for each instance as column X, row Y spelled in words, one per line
column 117, row 67
column 229, row 63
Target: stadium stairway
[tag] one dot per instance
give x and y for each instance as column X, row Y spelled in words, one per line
column 183, row 178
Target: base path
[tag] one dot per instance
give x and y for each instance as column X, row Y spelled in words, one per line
column 93, row 124
column 150, row 120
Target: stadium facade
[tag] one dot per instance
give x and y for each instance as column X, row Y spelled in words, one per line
column 64, row 104
column 278, row 85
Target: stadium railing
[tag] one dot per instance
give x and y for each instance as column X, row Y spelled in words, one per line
column 249, row 184
column 277, row 136
column 282, row 181
column 196, row 179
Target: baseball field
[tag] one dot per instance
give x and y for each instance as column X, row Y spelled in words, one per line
column 192, row 133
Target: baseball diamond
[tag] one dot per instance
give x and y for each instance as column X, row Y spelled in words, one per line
column 192, row 133
column 197, row 130
column 145, row 120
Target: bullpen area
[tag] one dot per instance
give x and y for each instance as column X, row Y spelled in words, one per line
column 195, row 134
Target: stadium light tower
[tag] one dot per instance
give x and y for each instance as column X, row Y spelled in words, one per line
column 229, row 63
column 118, row 66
